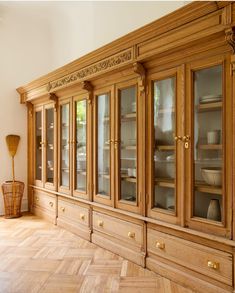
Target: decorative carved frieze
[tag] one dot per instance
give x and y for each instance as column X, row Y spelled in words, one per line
column 140, row 70
column 230, row 37
column 102, row 66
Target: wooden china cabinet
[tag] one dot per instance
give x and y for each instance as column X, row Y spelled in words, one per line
column 132, row 146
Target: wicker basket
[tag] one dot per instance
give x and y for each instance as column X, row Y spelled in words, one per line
column 12, row 194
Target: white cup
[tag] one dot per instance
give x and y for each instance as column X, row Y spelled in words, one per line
column 213, row 137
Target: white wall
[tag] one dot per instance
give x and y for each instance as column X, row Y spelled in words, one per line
column 37, row 37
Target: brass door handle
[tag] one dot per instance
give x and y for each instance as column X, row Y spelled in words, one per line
column 100, row 223
column 178, row 137
column 37, row 199
column 62, row 209
column 160, row 245
column 51, row 203
column 186, row 138
column 213, row 265
column 82, row 217
column 131, row 235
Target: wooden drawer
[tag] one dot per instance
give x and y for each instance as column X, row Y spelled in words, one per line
column 44, row 201
column 73, row 212
column 213, row 263
column 123, row 230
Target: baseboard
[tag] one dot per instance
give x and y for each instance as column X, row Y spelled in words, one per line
column 136, row 257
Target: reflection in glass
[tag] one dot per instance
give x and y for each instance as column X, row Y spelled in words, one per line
column 164, row 144
column 208, row 142
column 81, row 124
column 50, row 145
column 103, row 136
column 128, row 149
column 39, row 145
column 64, row 145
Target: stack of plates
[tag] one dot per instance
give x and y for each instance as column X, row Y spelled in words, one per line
column 210, row 98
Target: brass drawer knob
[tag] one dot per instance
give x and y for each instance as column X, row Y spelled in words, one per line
column 51, row 203
column 160, row 245
column 100, row 223
column 37, row 199
column 62, row 209
column 131, row 235
column 213, row 265
column 82, row 217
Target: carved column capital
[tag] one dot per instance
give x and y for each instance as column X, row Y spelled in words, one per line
column 53, row 97
column 230, row 37
column 87, row 86
column 29, row 106
column 140, row 70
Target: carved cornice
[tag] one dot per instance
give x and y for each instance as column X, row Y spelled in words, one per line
column 87, row 86
column 140, row 70
column 230, row 37
column 102, row 66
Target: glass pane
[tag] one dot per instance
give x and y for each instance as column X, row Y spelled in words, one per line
column 39, row 145
column 164, row 144
column 128, row 149
column 64, row 145
column 50, row 145
column 81, row 166
column 103, row 136
column 208, row 143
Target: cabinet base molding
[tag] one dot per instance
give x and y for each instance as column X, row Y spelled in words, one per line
column 136, row 257
column 184, row 277
column 74, row 228
column 44, row 214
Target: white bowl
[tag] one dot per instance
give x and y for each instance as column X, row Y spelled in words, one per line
column 212, row 175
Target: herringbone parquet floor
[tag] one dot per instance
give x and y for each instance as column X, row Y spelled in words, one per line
column 36, row 256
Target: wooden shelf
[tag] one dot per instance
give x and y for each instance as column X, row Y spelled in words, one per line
column 128, row 117
column 202, row 187
column 166, row 110
column 106, row 119
column 129, row 147
column 80, row 172
column 106, row 176
column 209, row 107
column 165, row 182
column 210, row 147
column 128, row 178
column 165, row 147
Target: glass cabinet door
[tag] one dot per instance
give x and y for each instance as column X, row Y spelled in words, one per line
column 50, row 145
column 126, row 144
column 39, row 147
column 165, row 162
column 65, row 146
column 81, row 146
column 208, row 144
column 208, row 164
column 164, row 159
column 102, row 130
